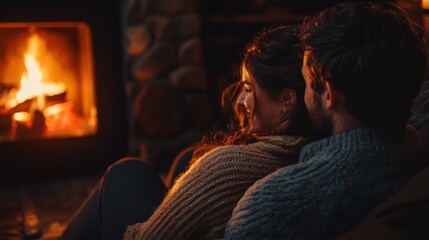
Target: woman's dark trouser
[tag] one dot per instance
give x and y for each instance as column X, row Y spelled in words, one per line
column 128, row 193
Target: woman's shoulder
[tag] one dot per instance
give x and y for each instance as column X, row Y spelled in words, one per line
column 267, row 148
column 281, row 144
column 285, row 140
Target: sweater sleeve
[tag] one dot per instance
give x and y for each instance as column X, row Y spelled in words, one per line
column 273, row 207
column 201, row 200
column 420, row 111
column 279, row 205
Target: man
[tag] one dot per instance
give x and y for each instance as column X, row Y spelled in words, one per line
column 363, row 66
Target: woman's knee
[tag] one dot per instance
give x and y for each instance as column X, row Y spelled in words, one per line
column 129, row 164
column 131, row 170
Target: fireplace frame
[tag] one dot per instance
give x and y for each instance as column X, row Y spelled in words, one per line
column 39, row 159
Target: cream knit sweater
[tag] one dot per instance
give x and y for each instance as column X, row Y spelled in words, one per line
column 201, row 201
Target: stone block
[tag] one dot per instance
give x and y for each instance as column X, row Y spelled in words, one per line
column 159, row 27
column 190, row 26
column 138, row 40
column 191, row 52
column 189, row 78
column 136, row 11
column 159, row 60
column 158, row 113
column 175, row 7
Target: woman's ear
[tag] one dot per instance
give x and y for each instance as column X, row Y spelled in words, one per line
column 288, row 99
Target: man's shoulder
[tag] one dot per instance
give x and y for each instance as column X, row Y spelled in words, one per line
column 296, row 179
column 271, row 206
column 420, row 108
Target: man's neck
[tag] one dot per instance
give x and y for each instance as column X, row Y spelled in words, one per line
column 345, row 122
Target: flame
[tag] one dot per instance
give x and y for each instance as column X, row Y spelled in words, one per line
column 425, row 4
column 32, row 82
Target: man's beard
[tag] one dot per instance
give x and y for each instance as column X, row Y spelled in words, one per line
column 322, row 123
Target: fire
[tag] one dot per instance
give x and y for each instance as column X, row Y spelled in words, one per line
column 22, row 117
column 32, row 82
column 57, row 116
column 61, row 117
column 47, row 81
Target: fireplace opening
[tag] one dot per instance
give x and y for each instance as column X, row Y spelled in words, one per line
column 47, row 81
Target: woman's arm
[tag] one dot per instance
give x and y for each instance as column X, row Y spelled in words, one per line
column 201, row 200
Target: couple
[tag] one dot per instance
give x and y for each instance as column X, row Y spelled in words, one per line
column 362, row 67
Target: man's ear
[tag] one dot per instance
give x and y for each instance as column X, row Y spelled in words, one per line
column 331, row 96
column 288, row 99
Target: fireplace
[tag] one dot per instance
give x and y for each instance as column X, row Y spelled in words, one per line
column 47, row 82
column 62, row 99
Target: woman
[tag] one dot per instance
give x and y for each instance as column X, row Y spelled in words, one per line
column 273, row 126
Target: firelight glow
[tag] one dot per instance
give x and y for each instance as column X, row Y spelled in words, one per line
column 32, row 85
column 48, row 81
column 60, row 117
column 22, row 117
column 425, row 4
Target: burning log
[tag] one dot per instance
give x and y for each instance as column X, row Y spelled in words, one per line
column 57, row 98
column 38, row 127
column 5, row 124
column 26, row 106
column 22, row 122
column 22, row 107
column 29, row 124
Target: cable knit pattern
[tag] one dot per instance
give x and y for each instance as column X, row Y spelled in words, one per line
column 420, row 110
column 201, row 200
column 336, row 182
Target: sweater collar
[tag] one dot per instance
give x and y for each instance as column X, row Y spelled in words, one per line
column 361, row 139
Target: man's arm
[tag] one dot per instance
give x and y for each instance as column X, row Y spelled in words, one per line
column 270, row 209
column 420, row 112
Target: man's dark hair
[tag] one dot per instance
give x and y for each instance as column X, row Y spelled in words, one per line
column 373, row 54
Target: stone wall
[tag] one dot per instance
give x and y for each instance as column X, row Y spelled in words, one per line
column 167, row 85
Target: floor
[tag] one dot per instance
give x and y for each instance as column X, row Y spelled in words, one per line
column 40, row 211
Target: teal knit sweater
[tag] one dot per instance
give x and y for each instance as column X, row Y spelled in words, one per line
column 336, row 182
